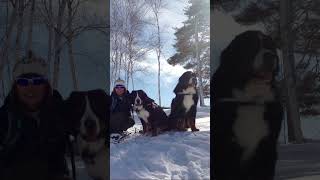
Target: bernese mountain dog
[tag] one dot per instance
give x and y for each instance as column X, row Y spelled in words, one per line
column 184, row 105
column 246, row 110
column 88, row 114
column 153, row 119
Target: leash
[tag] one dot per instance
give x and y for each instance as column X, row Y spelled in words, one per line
column 73, row 164
column 242, row 101
column 180, row 93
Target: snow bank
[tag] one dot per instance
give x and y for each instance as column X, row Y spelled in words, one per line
column 173, row 155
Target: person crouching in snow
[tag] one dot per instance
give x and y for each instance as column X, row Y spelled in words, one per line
column 32, row 139
column 121, row 108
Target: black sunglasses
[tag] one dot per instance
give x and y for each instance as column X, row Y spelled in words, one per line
column 119, row 87
column 33, row 81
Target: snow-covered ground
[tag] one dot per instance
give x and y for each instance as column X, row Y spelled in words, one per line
column 173, row 155
column 310, row 126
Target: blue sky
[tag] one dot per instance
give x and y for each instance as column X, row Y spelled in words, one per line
column 170, row 17
column 225, row 29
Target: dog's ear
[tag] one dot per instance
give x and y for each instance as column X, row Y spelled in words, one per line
column 182, row 83
column 145, row 97
column 73, row 109
column 131, row 97
column 100, row 103
column 178, row 88
column 148, row 100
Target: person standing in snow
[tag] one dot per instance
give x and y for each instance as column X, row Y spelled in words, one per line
column 32, row 138
column 121, row 108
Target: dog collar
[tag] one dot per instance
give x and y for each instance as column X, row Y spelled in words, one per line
column 243, row 101
column 153, row 105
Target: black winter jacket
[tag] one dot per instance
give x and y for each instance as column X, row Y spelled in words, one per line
column 120, row 104
column 32, row 149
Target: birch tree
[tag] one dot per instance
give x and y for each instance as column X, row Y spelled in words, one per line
column 71, row 14
column 156, row 6
column 57, row 43
column 128, row 45
column 7, row 38
column 193, row 44
column 294, row 127
column 30, row 26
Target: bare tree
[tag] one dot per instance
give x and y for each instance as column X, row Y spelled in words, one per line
column 293, row 116
column 21, row 8
column 69, row 40
column 199, row 67
column 30, row 26
column 7, row 37
column 156, row 5
column 127, row 46
column 50, row 35
column 57, row 43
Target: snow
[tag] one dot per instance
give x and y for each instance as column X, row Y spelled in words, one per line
column 172, row 155
column 309, row 126
column 315, row 177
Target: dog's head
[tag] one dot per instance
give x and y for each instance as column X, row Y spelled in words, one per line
column 251, row 55
column 250, row 58
column 139, row 98
column 88, row 113
column 187, row 79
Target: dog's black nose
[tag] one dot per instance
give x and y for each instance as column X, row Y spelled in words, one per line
column 138, row 101
column 90, row 124
column 194, row 80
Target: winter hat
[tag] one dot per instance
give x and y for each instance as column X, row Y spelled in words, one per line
column 30, row 64
column 119, row 83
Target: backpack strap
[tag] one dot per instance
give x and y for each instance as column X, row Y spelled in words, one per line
column 13, row 132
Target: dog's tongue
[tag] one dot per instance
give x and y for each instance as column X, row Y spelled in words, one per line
column 91, row 138
column 91, row 135
column 264, row 76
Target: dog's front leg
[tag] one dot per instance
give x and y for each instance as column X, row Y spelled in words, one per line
column 192, row 124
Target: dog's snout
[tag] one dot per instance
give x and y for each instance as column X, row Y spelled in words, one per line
column 90, row 124
column 194, row 80
column 138, row 101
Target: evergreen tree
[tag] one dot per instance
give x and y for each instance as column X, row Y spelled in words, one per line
column 193, row 44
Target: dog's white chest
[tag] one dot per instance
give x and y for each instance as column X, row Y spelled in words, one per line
column 144, row 114
column 99, row 170
column 249, row 128
column 188, row 98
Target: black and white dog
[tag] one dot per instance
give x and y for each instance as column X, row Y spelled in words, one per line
column 88, row 114
column 246, row 111
column 184, row 105
column 152, row 116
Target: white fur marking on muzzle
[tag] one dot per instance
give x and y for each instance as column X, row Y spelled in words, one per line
column 88, row 114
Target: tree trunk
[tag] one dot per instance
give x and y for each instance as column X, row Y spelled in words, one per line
column 132, row 80
column 158, row 56
column 3, row 94
column 30, row 25
column 293, row 116
column 50, row 32
column 199, row 66
column 19, row 31
column 57, row 44
column 6, row 41
column 70, row 47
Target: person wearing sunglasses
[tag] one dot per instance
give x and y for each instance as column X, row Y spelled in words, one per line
column 121, row 108
column 32, row 138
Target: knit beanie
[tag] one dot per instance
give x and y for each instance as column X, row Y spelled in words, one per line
column 119, row 82
column 30, row 64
